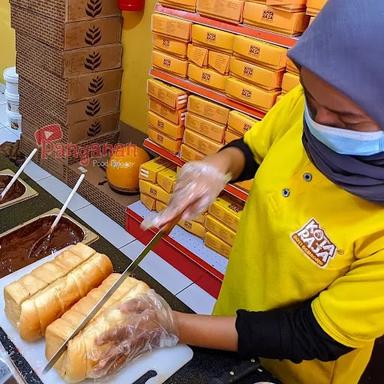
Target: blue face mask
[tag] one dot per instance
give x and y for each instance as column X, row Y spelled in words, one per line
column 345, row 141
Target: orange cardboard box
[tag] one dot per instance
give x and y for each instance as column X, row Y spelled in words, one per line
column 173, row 97
column 206, row 76
column 160, row 206
column 163, row 125
column 169, row 63
column 200, row 143
column 154, row 191
column 231, row 136
column 174, row 116
column 288, row 5
column 172, row 27
column 189, row 154
column 148, row 201
column 265, row 54
column 212, row 38
column 240, row 123
column 315, row 6
column 174, row 47
column 219, row 246
column 291, row 67
column 205, row 127
column 167, row 179
column 278, row 20
column 186, row 5
column 198, row 55
column 228, row 10
column 220, row 230
column 290, row 81
column 193, row 227
column 208, row 109
column 219, row 62
column 150, row 169
column 250, row 94
column 172, row 145
column 255, row 74
column 228, row 210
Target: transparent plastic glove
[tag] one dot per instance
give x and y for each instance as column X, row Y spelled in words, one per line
column 143, row 324
column 197, row 187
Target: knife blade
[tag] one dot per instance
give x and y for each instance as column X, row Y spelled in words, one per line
column 106, row 296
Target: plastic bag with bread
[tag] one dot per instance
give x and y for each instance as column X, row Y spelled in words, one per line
column 115, row 336
column 43, row 295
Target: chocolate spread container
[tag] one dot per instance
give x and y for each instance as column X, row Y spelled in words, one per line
column 15, row 244
column 19, row 192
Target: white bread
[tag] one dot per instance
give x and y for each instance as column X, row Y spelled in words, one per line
column 78, row 361
column 43, row 295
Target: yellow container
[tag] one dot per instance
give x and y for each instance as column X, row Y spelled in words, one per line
column 250, row 94
column 167, row 179
column 150, row 169
column 148, row 201
column 265, row 54
column 231, row 136
column 207, row 77
column 219, row 246
column 239, row 122
column 220, row 230
column 212, row 38
column 190, row 154
column 198, row 55
column 173, row 97
column 172, row 27
column 154, row 191
column 227, row 210
column 201, row 143
column 205, row 127
column 174, row 116
column 193, row 227
column 252, row 73
column 172, row 145
column 290, row 81
column 228, row 10
column 262, row 16
column 174, row 47
column 219, row 62
column 169, row 63
column 163, row 125
column 208, row 109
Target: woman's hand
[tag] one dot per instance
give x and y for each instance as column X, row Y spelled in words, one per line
column 148, row 324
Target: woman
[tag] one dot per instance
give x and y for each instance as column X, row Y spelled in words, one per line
column 304, row 288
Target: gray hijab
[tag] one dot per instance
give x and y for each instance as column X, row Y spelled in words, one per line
column 345, row 47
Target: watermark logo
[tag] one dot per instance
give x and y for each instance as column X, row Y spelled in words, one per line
column 48, row 134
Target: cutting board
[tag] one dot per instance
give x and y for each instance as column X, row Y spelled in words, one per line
column 165, row 362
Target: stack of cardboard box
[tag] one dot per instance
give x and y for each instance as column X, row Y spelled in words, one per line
column 314, row 7
column 69, row 61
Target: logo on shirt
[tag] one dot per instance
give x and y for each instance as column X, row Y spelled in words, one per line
column 315, row 244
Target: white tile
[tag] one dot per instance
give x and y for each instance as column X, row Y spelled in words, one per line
column 61, row 191
column 197, row 299
column 107, row 228
column 3, row 115
column 35, row 172
column 159, row 269
column 7, row 135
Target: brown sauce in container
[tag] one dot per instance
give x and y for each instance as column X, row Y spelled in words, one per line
column 15, row 247
column 15, row 192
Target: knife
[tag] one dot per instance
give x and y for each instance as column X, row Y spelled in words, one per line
column 108, row 294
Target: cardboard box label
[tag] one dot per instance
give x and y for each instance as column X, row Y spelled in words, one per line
column 212, row 38
column 265, row 54
column 251, row 94
column 163, row 125
column 174, row 116
column 171, row 96
column 208, row 109
column 198, row 55
column 169, row 63
column 200, row 143
column 239, row 122
column 175, row 47
column 205, row 127
column 207, row 77
column 171, row 26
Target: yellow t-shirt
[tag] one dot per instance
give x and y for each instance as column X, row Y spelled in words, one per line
column 300, row 237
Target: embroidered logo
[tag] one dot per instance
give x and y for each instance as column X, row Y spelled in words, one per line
column 315, row 244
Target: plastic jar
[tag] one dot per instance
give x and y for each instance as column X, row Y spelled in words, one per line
column 14, row 120
column 11, row 80
column 12, row 101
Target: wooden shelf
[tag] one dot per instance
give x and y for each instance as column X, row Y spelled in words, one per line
column 231, row 189
column 210, row 94
column 240, row 29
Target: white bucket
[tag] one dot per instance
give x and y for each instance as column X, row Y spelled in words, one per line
column 12, row 101
column 14, row 120
column 11, row 80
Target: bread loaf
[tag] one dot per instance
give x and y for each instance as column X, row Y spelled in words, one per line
column 77, row 363
column 43, row 295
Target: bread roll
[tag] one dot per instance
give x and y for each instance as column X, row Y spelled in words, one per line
column 43, row 295
column 76, row 364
